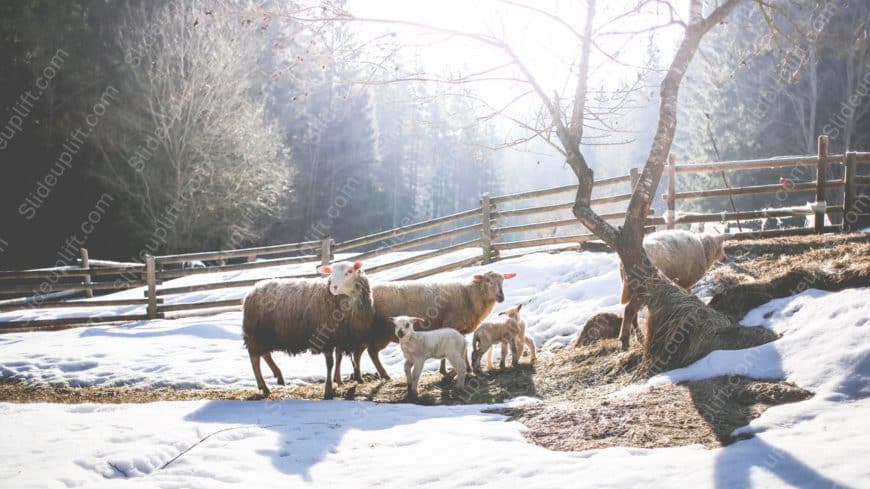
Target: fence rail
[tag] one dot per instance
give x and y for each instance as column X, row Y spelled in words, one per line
column 499, row 224
column 850, row 210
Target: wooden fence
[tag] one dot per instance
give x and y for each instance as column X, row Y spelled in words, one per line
column 838, row 197
column 491, row 227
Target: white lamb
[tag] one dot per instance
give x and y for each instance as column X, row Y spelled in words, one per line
column 419, row 346
column 507, row 329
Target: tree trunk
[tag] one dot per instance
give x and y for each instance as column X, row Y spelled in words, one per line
column 679, row 325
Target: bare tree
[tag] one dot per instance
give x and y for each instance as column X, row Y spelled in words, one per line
column 190, row 148
column 677, row 319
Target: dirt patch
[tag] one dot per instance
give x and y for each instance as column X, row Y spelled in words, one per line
column 726, row 403
column 586, row 412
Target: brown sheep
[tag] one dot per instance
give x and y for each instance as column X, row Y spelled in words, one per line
column 681, row 256
column 458, row 305
column 528, row 341
column 297, row 315
column 506, row 329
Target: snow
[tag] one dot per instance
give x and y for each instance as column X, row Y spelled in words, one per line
column 360, row 444
column 815, row 443
column 834, row 361
column 559, row 293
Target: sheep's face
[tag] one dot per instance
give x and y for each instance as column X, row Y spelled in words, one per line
column 342, row 276
column 513, row 313
column 491, row 284
column 714, row 248
column 405, row 325
column 720, row 254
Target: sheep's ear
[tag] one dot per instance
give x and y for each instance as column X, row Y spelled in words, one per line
column 519, row 306
column 324, row 269
column 357, row 265
column 419, row 322
column 478, row 277
column 509, row 275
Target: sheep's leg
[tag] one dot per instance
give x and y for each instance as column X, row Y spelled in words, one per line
column 415, row 375
column 530, row 342
column 327, row 390
column 459, row 366
column 468, row 369
column 637, row 332
column 409, row 376
column 629, row 317
column 477, row 353
column 275, row 370
column 337, row 376
column 624, row 293
column 443, row 368
column 503, row 359
column 255, row 363
column 357, row 360
column 373, row 354
column 516, row 351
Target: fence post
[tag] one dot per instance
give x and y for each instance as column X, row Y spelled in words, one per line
column 672, row 190
column 325, row 250
column 821, row 177
column 849, row 190
column 86, row 265
column 151, row 280
column 485, row 228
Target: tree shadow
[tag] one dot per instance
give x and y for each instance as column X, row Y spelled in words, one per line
column 730, row 402
column 203, row 331
column 310, row 430
column 735, row 463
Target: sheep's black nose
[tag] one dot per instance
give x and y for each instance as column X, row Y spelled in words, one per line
column 400, row 333
column 500, row 297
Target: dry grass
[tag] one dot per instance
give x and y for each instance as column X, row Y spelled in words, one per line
column 767, row 269
column 577, row 411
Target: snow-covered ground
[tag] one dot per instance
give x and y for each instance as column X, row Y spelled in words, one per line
column 559, row 293
column 820, row 442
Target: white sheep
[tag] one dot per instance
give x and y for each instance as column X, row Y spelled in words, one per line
column 681, row 256
column 419, row 346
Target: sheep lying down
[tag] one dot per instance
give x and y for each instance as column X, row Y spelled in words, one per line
column 419, row 346
column 316, row 315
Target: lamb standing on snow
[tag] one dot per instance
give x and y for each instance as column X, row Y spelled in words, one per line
column 458, row 305
column 681, row 256
column 297, row 315
column 505, row 329
column 419, row 346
